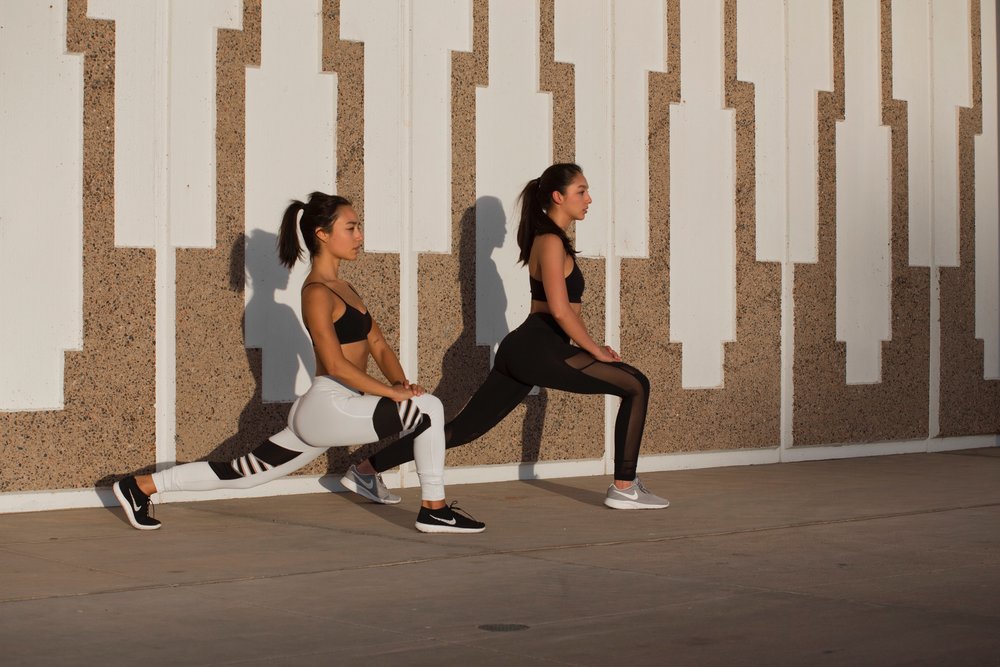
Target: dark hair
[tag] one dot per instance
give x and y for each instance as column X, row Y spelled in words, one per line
column 319, row 213
column 536, row 197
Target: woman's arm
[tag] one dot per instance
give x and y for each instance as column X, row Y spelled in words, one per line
column 318, row 308
column 552, row 260
column 384, row 357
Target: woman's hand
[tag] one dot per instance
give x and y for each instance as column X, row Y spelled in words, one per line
column 607, row 354
column 414, row 389
column 400, row 392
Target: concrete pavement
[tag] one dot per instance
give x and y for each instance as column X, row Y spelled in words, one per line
column 876, row 561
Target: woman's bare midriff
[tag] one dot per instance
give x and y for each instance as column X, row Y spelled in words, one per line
column 543, row 307
column 356, row 353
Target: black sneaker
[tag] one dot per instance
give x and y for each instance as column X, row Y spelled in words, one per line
column 447, row 520
column 135, row 503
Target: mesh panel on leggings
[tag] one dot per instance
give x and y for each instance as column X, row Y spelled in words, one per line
column 633, row 388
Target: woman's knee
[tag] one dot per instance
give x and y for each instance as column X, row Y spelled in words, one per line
column 642, row 386
column 431, row 405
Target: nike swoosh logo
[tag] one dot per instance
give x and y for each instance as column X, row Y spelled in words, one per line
column 370, row 486
column 450, row 522
column 631, row 496
column 131, row 499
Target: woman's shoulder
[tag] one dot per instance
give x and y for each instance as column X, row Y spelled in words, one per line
column 549, row 244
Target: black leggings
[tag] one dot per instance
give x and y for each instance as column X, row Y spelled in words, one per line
column 539, row 353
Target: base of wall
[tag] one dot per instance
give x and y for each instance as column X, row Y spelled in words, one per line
column 36, row 501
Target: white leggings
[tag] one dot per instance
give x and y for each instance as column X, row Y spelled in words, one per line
column 328, row 415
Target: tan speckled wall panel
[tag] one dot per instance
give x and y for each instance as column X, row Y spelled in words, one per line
column 827, row 409
column 745, row 412
column 107, row 427
column 969, row 404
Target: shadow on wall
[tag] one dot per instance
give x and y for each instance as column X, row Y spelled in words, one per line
column 483, row 229
column 274, row 326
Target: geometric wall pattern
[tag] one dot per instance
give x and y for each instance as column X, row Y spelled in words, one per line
column 795, row 238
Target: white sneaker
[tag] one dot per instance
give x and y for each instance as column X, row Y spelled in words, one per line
column 369, row 486
column 635, row 497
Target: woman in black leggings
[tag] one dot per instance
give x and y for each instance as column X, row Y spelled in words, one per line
column 540, row 351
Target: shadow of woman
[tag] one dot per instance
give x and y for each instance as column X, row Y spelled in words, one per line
column 482, row 229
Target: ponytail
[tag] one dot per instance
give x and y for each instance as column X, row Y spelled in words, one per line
column 535, row 198
column 289, row 250
column 319, row 213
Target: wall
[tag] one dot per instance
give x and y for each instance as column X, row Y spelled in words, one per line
column 794, row 231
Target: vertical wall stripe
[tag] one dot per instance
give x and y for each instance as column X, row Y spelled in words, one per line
column 827, row 409
column 289, row 91
column 451, row 363
column 969, row 404
column 862, row 204
column 745, row 412
column 560, row 425
column 988, row 203
column 702, row 206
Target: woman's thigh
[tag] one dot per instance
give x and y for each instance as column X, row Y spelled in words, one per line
column 329, row 415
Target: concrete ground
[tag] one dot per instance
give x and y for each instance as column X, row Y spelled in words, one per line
column 877, row 561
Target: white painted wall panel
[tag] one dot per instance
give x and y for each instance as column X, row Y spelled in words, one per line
column 988, row 204
column 932, row 72
column 513, row 145
column 165, row 51
column 702, row 208
column 379, row 25
column 194, row 29
column 291, row 151
column 138, row 101
column 640, row 47
column 911, row 81
column 41, row 203
column 810, row 70
column 439, row 27
column 760, row 59
column 863, row 214
column 582, row 37
column 613, row 46
column 951, row 75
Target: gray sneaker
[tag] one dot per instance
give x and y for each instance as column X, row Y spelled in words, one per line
column 635, row 497
column 370, row 486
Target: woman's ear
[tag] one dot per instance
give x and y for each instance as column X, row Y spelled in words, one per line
column 557, row 197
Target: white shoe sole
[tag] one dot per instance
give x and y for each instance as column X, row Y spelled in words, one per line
column 632, row 505
column 351, row 485
column 444, row 528
column 127, row 506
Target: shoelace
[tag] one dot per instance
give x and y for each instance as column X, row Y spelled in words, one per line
column 453, row 506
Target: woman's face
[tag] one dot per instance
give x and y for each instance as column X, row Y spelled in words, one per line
column 345, row 239
column 576, row 199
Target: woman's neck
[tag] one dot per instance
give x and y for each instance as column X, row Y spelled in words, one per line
column 326, row 267
column 562, row 220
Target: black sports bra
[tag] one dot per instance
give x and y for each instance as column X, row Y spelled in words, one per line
column 351, row 327
column 574, row 286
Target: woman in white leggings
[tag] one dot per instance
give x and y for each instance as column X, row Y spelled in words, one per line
column 344, row 406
